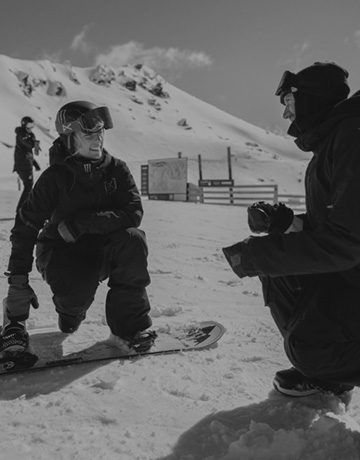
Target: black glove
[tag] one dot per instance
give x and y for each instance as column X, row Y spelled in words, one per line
column 37, row 148
column 20, row 296
column 36, row 165
column 267, row 218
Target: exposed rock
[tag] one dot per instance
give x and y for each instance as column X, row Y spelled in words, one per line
column 154, row 103
column 182, row 122
column 56, row 88
column 136, row 99
column 72, row 73
column 28, row 84
column 130, row 85
column 102, row 75
column 158, row 91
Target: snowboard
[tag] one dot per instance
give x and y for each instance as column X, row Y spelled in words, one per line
column 51, row 348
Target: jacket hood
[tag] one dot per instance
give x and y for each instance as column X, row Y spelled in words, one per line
column 58, row 153
column 83, row 172
column 348, row 108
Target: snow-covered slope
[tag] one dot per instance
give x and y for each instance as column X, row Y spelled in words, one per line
column 215, row 404
column 146, row 125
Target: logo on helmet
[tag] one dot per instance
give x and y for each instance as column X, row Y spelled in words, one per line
column 67, row 127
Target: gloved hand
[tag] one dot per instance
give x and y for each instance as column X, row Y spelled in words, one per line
column 37, row 148
column 267, row 218
column 66, row 233
column 20, row 296
column 36, row 165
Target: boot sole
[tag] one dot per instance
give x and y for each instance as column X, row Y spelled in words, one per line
column 294, row 392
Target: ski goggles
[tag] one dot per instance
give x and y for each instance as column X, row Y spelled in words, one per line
column 287, row 81
column 327, row 88
column 89, row 122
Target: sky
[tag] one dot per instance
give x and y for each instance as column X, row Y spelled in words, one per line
column 229, row 53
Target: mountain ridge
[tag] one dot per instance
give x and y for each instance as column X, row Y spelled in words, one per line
column 152, row 119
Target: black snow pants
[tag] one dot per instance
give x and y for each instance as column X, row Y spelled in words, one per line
column 74, row 271
column 319, row 319
column 27, row 178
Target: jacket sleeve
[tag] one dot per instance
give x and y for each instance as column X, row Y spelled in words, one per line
column 125, row 210
column 333, row 246
column 25, row 141
column 29, row 221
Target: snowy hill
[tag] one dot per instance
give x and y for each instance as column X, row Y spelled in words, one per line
column 152, row 119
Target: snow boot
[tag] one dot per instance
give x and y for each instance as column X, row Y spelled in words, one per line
column 291, row 382
column 14, row 338
column 15, row 350
column 140, row 342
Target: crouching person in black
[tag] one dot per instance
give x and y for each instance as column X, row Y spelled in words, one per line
column 83, row 216
column 309, row 265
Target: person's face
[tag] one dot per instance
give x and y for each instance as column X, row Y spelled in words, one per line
column 289, row 112
column 29, row 127
column 90, row 144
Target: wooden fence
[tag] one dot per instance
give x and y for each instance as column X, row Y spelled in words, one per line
column 245, row 195
column 240, row 195
column 228, row 194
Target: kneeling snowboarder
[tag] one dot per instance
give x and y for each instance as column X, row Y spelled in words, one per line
column 83, row 216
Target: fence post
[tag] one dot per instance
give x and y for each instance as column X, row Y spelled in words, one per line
column 201, row 195
column 276, row 194
column 231, row 195
column 144, row 179
column 200, row 167
column 229, row 162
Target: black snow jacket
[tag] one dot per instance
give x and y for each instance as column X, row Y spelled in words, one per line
column 92, row 198
column 330, row 241
column 23, row 155
column 311, row 279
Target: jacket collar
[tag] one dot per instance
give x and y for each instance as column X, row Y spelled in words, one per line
column 310, row 139
column 60, row 155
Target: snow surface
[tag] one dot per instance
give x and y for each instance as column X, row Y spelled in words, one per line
column 212, row 404
column 215, row 404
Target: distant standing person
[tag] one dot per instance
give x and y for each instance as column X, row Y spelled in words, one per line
column 24, row 161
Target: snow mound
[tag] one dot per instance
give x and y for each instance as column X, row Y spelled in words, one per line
column 313, row 428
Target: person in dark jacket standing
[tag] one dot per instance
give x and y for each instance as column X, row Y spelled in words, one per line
column 83, row 216
column 309, row 264
column 24, row 161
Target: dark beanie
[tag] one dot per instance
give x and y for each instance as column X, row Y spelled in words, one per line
column 325, row 79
